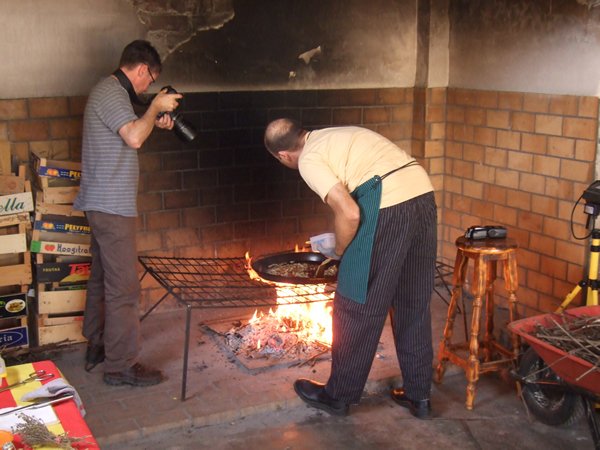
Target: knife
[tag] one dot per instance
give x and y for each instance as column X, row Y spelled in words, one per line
column 37, row 405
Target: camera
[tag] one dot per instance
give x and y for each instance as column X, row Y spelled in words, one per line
column 485, row 232
column 592, row 199
column 183, row 129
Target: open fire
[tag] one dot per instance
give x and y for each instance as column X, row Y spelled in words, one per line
column 293, row 330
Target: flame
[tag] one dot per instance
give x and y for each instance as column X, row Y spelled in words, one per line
column 254, row 317
column 310, row 321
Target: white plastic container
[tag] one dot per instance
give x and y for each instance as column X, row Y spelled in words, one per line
column 322, row 241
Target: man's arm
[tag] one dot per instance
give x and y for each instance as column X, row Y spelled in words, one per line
column 137, row 131
column 346, row 216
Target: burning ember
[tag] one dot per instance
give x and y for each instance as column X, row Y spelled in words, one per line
column 295, row 329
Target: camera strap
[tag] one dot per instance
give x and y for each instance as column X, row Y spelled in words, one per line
column 126, row 83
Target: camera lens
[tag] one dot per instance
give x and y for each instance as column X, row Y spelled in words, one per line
column 183, row 129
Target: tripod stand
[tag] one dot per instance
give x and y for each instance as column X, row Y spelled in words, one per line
column 542, row 390
column 591, row 283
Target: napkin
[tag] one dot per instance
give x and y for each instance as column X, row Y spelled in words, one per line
column 52, row 389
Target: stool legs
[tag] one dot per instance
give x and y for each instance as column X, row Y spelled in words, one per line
column 482, row 289
column 488, row 337
column 458, row 279
column 511, row 283
column 479, row 291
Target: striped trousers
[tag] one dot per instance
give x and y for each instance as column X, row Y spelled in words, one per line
column 400, row 283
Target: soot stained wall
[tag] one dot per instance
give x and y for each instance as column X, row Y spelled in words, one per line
column 362, row 44
column 224, row 194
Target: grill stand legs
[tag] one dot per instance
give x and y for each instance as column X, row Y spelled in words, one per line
column 186, row 350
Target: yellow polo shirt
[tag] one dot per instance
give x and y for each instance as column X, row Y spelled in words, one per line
column 353, row 155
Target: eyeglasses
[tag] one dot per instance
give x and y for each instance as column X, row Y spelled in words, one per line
column 150, row 73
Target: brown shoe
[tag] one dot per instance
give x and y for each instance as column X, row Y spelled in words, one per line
column 136, row 375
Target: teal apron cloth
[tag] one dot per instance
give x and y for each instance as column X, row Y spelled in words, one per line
column 353, row 272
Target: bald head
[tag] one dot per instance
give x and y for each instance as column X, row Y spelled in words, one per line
column 283, row 134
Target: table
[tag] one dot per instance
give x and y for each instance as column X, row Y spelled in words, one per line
column 70, row 420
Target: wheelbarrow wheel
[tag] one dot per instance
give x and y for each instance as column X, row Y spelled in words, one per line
column 550, row 403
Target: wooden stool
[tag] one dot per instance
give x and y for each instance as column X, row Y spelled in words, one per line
column 485, row 254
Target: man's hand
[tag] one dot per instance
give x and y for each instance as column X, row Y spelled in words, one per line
column 137, row 131
column 164, row 102
column 165, row 122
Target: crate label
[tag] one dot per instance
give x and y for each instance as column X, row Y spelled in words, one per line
column 57, row 172
column 61, row 248
column 14, row 337
column 61, row 227
column 63, row 272
column 16, row 203
column 13, row 305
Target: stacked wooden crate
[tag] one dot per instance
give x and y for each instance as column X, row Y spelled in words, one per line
column 61, row 243
column 16, row 203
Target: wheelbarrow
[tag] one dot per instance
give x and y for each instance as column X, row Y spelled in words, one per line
column 558, row 387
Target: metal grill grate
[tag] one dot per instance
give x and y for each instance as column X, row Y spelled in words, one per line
column 226, row 283
column 221, row 283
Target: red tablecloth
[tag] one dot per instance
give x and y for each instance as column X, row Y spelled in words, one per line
column 67, row 412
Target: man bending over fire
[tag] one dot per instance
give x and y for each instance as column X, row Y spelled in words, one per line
column 385, row 228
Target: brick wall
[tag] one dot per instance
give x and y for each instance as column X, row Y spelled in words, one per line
column 522, row 161
column 223, row 194
column 513, row 159
column 50, row 126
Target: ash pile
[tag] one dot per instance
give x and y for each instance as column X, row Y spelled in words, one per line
column 268, row 336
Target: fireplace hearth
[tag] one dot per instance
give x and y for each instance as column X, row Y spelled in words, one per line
column 199, row 283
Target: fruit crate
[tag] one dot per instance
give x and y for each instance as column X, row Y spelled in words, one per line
column 56, row 181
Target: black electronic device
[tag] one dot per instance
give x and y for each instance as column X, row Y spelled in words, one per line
column 591, row 195
column 486, row 232
column 183, row 129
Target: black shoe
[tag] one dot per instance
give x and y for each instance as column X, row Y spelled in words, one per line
column 314, row 394
column 421, row 409
column 137, row 375
column 94, row 355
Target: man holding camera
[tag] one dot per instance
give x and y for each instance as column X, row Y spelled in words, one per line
column 385, row 234
column 112, row 135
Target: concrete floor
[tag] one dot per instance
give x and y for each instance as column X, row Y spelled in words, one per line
column 231, row 406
